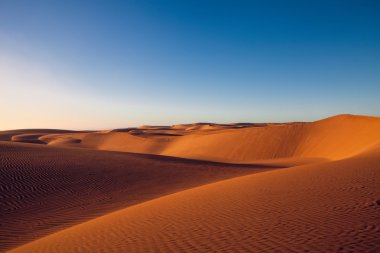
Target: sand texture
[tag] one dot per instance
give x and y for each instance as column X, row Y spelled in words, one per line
column 293, row 187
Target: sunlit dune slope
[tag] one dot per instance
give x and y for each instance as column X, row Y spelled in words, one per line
column 44, row 189
column 332, row 138
column 326, row 207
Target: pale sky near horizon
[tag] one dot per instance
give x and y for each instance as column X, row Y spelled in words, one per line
column 113, row 64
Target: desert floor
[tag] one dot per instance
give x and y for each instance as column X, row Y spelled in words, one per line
column 245, row 187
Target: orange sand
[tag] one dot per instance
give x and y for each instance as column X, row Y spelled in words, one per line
column 248, row 144
column 84, row 200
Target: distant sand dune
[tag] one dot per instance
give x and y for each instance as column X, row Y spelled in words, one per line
column 7, row 135
column 320, row 139
column 28, row 138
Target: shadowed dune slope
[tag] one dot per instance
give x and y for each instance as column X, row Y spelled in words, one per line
column 325, row 207
column 45, row 189
column 332, row 138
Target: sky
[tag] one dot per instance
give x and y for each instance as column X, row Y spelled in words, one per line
column 113, row 64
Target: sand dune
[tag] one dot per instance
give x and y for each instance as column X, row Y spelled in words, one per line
column 245, row 144
column 45, row 189
column 71, row 192
column 28, row 138
column 317, row 139
column 7, row 135
column 329, row 207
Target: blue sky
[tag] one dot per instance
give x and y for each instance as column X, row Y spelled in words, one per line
column 110, row 64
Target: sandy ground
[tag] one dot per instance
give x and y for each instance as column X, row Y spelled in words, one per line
column 45, row 189
column 318, row 189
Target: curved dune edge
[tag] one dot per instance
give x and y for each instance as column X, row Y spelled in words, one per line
column 326, row 207
column 333, row 138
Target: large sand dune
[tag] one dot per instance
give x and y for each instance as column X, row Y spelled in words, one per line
column 67, row 196
column 244, row 144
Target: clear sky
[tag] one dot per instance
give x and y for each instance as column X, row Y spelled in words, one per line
column 110, row 64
